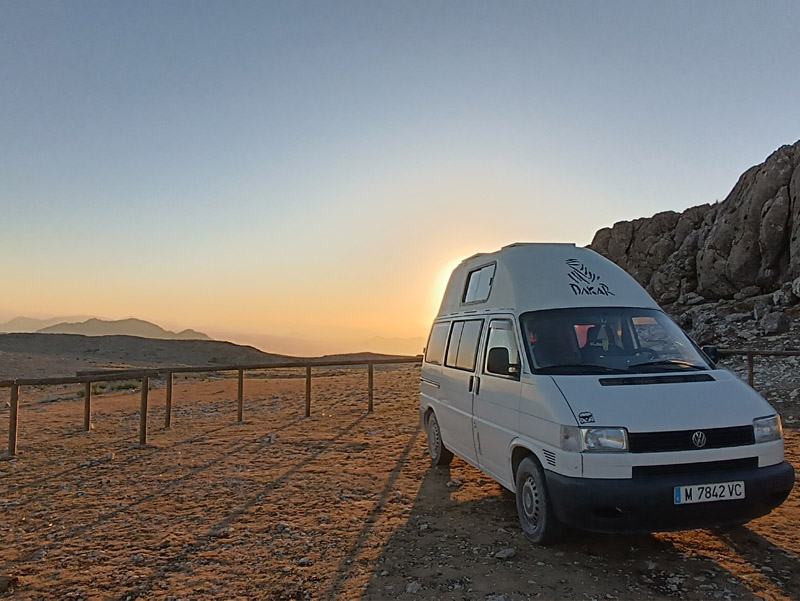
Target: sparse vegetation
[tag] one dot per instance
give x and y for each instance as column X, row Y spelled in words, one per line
column 124, row 385
column 107, row 387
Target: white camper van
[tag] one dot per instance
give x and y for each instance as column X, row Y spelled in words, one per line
column 551, row 369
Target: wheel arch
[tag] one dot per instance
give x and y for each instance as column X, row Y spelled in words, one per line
column 426, row 414
column 520, row 451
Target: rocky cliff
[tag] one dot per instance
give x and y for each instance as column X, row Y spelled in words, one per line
column 743, row 252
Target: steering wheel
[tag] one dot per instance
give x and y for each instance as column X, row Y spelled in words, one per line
column 646, row 353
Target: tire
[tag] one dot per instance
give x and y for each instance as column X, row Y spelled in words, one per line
column 440, row 455
column 534, row 508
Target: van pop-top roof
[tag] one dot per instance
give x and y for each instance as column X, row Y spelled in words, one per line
column 531, row 277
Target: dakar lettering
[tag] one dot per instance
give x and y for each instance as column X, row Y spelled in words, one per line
column 585, row 281
column 601, row 290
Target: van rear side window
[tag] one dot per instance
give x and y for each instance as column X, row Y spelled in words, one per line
column 462, row 349
column 434, row 353
column 479, row 284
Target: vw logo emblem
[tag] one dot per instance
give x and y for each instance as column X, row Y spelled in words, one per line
column 699, row 439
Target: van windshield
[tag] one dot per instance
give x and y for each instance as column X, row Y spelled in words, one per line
column 607, row 340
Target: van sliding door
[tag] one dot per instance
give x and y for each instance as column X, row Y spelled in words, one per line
column 458, row 382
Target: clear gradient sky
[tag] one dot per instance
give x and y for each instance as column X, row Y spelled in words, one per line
column 315, row 169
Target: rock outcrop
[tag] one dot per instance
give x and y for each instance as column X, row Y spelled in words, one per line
column 751, row 240
column 743, row 252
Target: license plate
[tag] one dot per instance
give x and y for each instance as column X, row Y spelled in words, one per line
column 705, row 493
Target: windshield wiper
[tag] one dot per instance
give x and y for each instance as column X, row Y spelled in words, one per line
column 665, row 363
column 579, row 369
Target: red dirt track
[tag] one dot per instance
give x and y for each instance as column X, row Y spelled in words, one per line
column 341, row 505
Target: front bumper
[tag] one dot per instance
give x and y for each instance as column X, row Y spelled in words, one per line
column 646, row 504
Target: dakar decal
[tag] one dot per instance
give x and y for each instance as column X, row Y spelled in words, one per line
column 586, row 417
column 584, row 281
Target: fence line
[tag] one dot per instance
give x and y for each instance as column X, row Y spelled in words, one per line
column 750, row 355
column 144, row 375
column 90, row 377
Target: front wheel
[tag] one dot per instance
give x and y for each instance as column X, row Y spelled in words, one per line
column 440, row 455
column 536, row 516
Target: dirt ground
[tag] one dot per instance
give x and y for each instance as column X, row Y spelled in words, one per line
column 341, row 505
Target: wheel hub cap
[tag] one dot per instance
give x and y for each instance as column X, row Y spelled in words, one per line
column 530, row 500
column 433, row 437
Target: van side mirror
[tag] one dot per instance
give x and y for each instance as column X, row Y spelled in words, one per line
column 711, row 351
column 498, row 361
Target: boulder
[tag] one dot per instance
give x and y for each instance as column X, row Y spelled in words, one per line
column 750, row 291
column 774, row 323
column 746, row 245
column 693, row 298
column 761, row 307
column 737, row 317
column 684, row 320
column 784, row 296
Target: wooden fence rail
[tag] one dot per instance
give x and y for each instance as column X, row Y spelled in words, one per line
column 144, row 375
column 750, row 355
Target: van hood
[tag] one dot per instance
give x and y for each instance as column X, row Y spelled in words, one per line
column 666, row 401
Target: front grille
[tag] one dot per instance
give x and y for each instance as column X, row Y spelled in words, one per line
column 643, row 471
column 681, row 440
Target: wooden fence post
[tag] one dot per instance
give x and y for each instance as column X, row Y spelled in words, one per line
column 750, row 370
column 87, row 407
column 168, row 411
column 143, row 412
column 240, row 411
column 13, row 418
column 370, row 380
column 308, row 391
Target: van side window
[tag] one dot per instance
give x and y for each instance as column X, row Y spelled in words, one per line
column 462, row 349
column 479, row 284
column 502, row 353
column 434, row 353
column 452, row 344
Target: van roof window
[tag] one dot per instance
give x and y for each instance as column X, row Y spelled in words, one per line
column 479, row 284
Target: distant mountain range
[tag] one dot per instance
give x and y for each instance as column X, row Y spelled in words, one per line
column 309, row 347
column 285, row 345
column 26, row 355
column 98, row 327
column 31, row 324
column 404, row 346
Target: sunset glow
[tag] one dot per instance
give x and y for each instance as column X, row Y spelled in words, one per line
column 304, row 178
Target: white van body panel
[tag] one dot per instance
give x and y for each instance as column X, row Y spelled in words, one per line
column 542, row 399
column 670, row 406
column 534, row 277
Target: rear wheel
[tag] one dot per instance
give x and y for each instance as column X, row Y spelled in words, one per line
column 536, row 516
column 440, row 455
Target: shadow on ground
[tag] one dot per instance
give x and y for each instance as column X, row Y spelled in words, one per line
column 461, row 520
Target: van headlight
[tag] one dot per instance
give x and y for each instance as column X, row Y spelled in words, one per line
column 578, row 440
column 767, row 429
